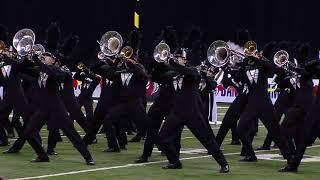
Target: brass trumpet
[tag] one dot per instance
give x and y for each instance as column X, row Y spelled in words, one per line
column 250, row 48
column 82, row 67
column 126, row 54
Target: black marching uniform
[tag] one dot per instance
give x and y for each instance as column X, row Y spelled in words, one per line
column 235, row 109
column 299, row 109
column 89, row 83
column 15, row 98
column 283, row 102
column 309, row 128
column 254, row 72
column 130, row 80
column 187, row 110
column 161, row 73
column 51, row 110
column 108, row 96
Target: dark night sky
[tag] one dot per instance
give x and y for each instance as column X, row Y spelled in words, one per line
column 266, row 19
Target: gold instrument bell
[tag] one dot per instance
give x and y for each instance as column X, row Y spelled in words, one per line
column 126, row 52
column 81, row 66
column 250, row 48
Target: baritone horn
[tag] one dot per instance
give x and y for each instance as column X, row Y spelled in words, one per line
column 110, row 43
column 219, row 53
column 281, row 58
column 23, row 41
column 161, row 52
column 38, row 49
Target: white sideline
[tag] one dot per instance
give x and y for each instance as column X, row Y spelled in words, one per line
column 131, row 165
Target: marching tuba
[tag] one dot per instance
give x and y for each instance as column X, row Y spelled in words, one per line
column 38, row 49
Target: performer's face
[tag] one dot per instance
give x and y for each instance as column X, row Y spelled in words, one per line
column 182, row 61
column 48, row 60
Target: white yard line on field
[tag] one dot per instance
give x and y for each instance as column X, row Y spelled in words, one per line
column 131, row 165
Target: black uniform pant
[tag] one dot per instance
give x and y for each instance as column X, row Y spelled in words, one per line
column 87, row 103
column 37, row 121
column 120, row 129
column 281, row 107
column 76, row 114
column 231, row 117
column 3, row 135
column 308, row 129
column 19, row 143
column 259, row 107
column 156, row 115
column 130, row 109
column 5, row 110
column 290, row 126
column 74, row 109
column 53, row 137
column 99, row 114
column 169, row 132
column 4, row 115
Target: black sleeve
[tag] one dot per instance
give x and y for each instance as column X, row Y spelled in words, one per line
column 80, row 76
column 313, row 67
column 102, row 70
column 138, row 69
column 27, row 77
column 53, row 71
column 211, row 84
column 189, row 71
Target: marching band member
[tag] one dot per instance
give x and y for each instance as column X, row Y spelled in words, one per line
column 186, row 93
column 51, row 108
column 254, row 72
column 160, row 73
column 301, row 110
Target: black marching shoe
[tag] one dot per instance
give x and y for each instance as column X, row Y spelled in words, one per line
column 11, row 151
column 225, row 169
column 141, row 159
column 41, row 159
column 112, row 150
column 243, row 153
column 90, row 162
column 173, row 166
column 235, row 142
column 289, row 168
column 123, row 147
column 249, row 159
column 263, row 148
column 52, row 152
column 95, row 141
column 135, row 139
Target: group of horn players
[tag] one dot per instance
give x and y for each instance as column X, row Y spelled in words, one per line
column 38, row 87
